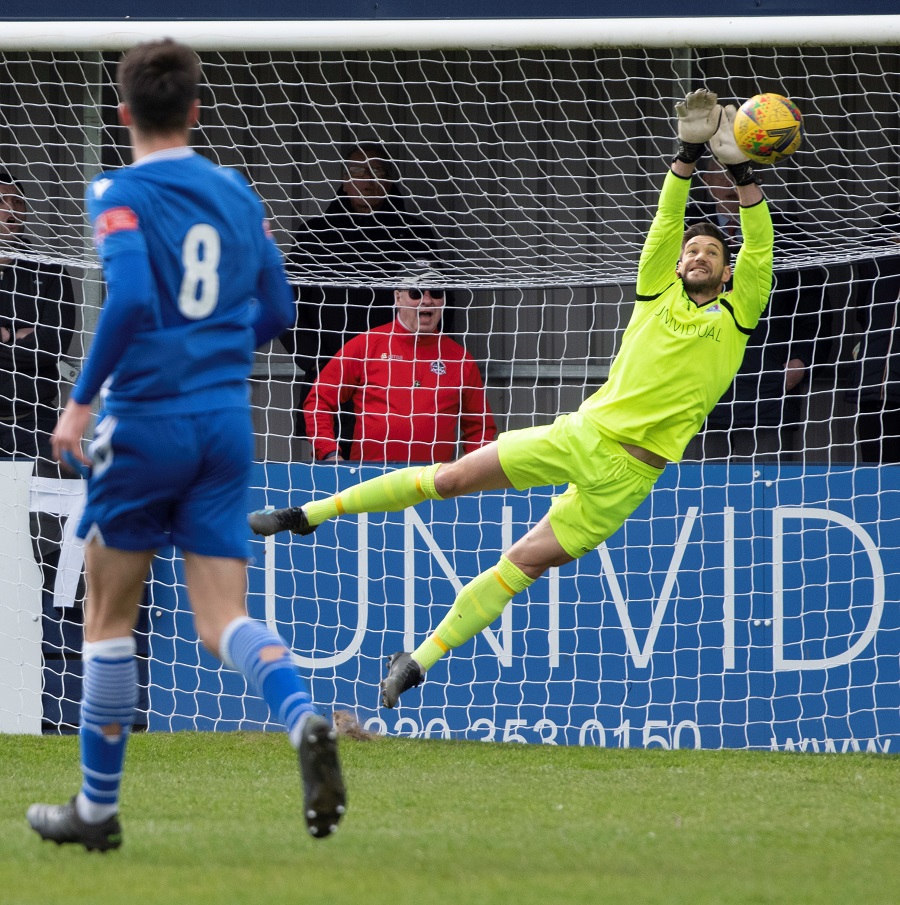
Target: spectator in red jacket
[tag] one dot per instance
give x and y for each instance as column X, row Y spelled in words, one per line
column 416, row 393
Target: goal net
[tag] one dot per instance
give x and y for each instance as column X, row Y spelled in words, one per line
column 747, row 603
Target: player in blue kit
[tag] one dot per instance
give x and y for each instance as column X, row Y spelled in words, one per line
column 195, row 283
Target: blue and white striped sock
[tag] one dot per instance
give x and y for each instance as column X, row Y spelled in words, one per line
column 264, row 660
column 108, row 701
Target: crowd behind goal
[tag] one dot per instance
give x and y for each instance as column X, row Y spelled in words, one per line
column 535, row 197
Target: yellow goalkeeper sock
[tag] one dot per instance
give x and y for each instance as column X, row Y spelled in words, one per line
column 390, row 492
column 476, row 606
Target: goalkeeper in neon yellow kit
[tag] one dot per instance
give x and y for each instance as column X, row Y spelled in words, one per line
column 680, row 352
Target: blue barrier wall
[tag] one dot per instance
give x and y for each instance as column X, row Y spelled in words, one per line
column 739, row 607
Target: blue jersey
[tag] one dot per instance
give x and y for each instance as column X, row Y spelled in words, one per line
column 194, row 281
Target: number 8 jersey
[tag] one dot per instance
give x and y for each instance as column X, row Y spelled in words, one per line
column 194, row 283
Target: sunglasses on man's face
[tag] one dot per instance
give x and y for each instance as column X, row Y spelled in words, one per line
column 416, row 294
column 361, row 171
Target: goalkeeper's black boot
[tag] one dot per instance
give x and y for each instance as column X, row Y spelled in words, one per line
column 60, row 823
column 271, row 521
column 403, row 673
column 324, row 796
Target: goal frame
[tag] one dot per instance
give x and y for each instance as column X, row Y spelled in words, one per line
column 457, row 34
column 363, row 35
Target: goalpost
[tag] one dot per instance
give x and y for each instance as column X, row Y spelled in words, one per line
column 746, row 604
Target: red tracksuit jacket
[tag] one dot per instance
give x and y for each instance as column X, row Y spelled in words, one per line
column 415, row 396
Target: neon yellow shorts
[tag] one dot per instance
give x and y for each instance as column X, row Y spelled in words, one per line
column 606, row 484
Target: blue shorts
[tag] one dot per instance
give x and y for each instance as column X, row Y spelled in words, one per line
column 172, row 479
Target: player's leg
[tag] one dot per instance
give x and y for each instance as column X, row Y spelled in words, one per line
column 115, row 582
column 611, row 485
column 209, row 527
column 525, row 458
column 217, row 589
column 484, row 598
column 477, row 605
column 392, row 492
column 137, row 467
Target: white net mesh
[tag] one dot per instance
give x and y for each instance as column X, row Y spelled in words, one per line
column 538, row 172
column 535, row 167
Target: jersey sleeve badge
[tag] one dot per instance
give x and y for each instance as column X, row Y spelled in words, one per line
column 114, row 220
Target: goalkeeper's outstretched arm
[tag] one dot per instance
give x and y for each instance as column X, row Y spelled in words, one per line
column 726, row 151
column 752, row 278
column 702, row 120
column 699, row 117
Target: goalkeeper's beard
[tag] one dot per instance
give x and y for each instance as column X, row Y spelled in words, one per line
column 711, row 283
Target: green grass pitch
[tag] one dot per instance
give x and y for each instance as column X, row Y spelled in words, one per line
column 215, row 818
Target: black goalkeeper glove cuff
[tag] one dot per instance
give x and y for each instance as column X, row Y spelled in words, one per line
column 742, row 173
column 687, row 151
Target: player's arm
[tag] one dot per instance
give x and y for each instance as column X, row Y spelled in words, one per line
column 753, row 268
column 275, row 312
column 333, row 386
column 129, row 297
column 129, row 281
column 698, row 118
column 275, row 309
column 476, row 426
column 656, row 269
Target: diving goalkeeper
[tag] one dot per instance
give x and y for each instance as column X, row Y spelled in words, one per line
column 680, row 352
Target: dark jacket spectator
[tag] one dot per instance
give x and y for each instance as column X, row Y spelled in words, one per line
column 368, row 234
column 876, row 385
column 342, row 243
column 37, row 320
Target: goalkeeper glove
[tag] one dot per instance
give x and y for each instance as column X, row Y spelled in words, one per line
column 725, row 150
column 698, row 118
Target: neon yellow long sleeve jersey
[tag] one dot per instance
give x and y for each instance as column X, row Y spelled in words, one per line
column 677, row 358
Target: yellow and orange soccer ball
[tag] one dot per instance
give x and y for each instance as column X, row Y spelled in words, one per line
column 768, row 128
